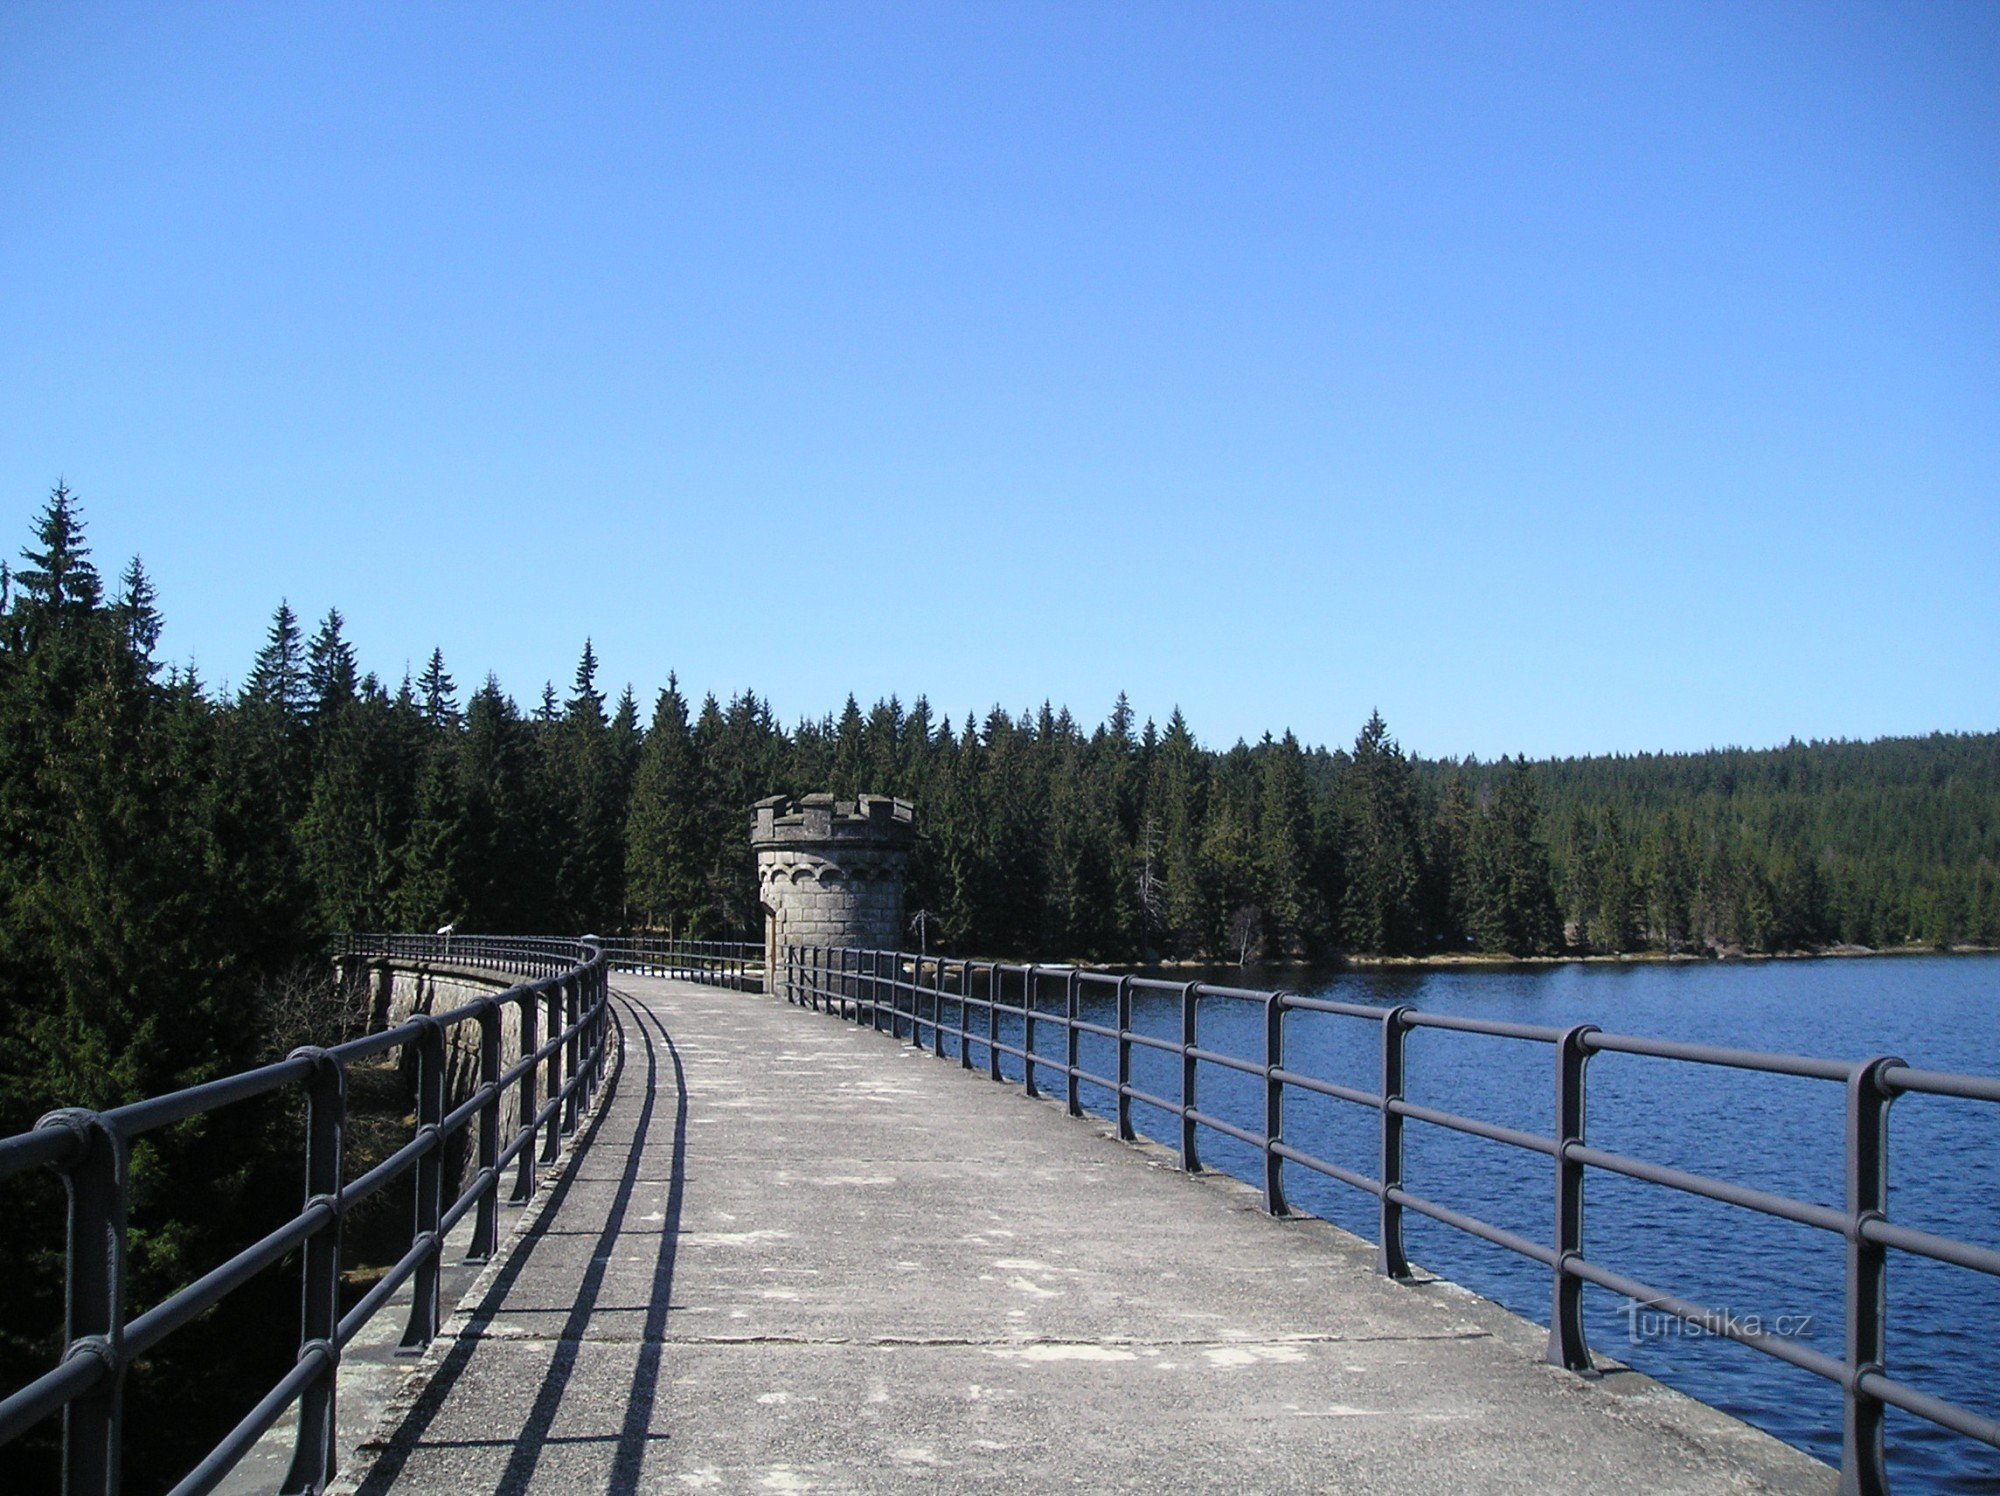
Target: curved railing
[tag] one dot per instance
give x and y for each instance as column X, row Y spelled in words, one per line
column 717, row 963
column 913, row 993
column 563, row 983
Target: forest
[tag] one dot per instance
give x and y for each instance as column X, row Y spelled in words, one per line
column 177, row 858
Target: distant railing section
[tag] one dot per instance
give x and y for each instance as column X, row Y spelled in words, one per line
column 931, row 998
column 514, row 955
column 718, row 963
column 563, row 996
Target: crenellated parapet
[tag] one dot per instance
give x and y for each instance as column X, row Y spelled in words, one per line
column 831, row 872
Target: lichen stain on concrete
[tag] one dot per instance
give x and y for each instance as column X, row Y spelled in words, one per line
column 1232, row 1357
column 733, row 1238
column 1033, row 1289
column 1333, row 1410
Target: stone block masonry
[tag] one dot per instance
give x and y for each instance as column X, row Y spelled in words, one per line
column 831, row 872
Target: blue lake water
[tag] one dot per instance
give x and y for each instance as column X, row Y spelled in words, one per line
column 1774, row 1133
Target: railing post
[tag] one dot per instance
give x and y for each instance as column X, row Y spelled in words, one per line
column 1190, row 1001
column 994, row 984
column 1072, row 1048
column 1863, row 1471
column 313, row 1453
column 600, row 1028
column 916, row 998
column 94, row 1302
column 1124, row 1026
column 1028, row 1030
column 1390, row 1259
column 1274, row 1104
column 423, row 1324
column 1567, row 1346
column 552, row 1128
column 486, row 1214
column 937, row 1009
column 586, row 1011
column 572, row 999
column 524, row 1158
column 964, row 1022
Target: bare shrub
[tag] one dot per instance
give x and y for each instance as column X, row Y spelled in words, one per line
column 308, row 1004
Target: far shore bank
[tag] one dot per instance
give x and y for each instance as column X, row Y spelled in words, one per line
column 1457, row 960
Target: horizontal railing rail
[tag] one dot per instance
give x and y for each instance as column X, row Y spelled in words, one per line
column 911, row 995
column 563, row 994
column 735, row 964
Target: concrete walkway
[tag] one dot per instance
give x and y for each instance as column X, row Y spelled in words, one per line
column 798, row 1256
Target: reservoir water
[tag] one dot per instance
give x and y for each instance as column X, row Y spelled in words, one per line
column 1774, row 1133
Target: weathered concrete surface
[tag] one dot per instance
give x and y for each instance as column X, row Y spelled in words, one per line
column 798, row 1256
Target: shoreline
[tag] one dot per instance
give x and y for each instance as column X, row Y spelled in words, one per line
column 1453, row 961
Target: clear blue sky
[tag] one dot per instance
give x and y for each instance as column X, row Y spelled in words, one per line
column 1554, row 378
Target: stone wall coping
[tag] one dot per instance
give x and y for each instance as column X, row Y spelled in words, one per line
column 806, row 820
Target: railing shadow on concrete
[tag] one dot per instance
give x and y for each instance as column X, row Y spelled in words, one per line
column 526, row 1445
column 932, row 1000
column 563, row 993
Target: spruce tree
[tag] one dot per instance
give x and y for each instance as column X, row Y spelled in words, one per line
column 1284, row 862
column 664, row 843
column 438, row 693
column 1513, row 894
column 1379, row 910
column 131, row 949
column 331, row 670
column 587, row 798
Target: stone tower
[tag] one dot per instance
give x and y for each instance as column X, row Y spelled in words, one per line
column 830, row 872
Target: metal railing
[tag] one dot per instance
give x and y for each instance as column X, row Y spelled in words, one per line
column 735, row 964
column 563, row 994
column 911, row 995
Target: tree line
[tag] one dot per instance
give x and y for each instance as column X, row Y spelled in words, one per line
column 176, row 856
